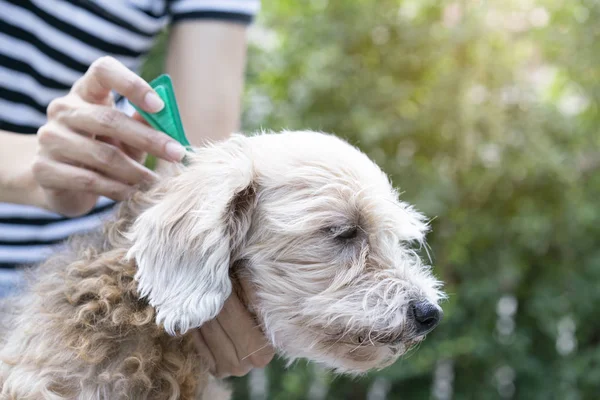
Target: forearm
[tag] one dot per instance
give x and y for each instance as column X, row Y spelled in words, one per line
column 207, row 61
column 17, row 184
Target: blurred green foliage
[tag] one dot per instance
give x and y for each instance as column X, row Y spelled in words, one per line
column 485, row 114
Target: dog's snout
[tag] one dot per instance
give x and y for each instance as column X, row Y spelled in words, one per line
column 426, row 316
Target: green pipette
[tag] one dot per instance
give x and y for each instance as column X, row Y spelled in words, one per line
column 166, row 120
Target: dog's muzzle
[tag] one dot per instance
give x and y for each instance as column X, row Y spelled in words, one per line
column 425, row 315
column 422, row 318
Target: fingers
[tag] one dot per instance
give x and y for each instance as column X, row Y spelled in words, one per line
column 249, row 342
column 232, row 343
column 61, row 144
column 227, row 361
column 136, row 154
column 203, row 350
column 86, row 109
column 105, row 121
column 107, row 74
column 52, row 174
column 68, row 203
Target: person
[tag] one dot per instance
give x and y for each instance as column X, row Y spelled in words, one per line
column 69, row 145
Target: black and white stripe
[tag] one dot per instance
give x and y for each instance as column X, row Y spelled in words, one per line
column 45, row 46
column 28, row 234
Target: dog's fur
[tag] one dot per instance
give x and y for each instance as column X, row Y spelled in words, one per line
column 309, row 221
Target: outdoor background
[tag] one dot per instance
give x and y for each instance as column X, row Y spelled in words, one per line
column 486, row 115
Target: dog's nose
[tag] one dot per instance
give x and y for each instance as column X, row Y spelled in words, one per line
column 426, row 316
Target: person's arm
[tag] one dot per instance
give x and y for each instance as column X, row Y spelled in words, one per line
column 17, row 184
column 206, row 61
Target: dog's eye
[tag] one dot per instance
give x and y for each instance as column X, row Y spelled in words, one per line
column 360, row 339
column 346, row 233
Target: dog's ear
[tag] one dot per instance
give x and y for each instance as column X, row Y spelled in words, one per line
column 183, row 242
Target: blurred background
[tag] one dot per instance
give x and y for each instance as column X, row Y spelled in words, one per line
column 485, row 113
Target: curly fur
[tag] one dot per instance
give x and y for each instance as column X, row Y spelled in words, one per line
column 82, row 331
column 107, row 318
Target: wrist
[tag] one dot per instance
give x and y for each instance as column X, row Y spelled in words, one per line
column 19, row 186
column 17, row 182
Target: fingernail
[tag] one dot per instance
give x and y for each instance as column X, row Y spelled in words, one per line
column 153, row 102
column 175, row 151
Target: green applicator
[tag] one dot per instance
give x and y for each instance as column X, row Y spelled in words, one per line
column 166, row 120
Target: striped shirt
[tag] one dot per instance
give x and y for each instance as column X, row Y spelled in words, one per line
column 45, row 46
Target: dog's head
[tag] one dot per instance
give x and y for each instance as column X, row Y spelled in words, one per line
column 318, row 232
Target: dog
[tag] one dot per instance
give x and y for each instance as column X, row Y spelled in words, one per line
column 306, row 220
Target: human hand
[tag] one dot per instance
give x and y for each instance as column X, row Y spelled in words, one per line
column 232, row 343
column 88, row 148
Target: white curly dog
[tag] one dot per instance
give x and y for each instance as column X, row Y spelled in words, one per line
column 305, row 222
